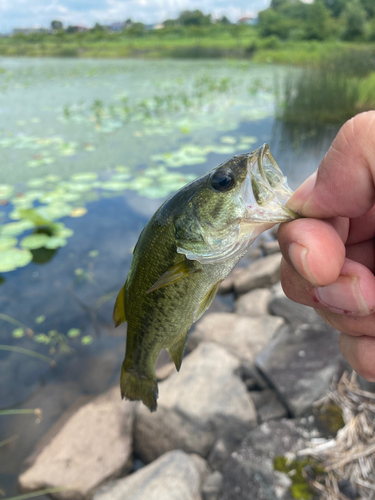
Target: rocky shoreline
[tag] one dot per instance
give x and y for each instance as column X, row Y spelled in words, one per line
column 243, row 398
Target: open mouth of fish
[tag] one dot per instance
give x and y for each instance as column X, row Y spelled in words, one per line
column 265, row 190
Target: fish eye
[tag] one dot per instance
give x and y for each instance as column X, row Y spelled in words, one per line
column 222, row 180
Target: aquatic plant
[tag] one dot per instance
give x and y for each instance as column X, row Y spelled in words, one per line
column 330, row 94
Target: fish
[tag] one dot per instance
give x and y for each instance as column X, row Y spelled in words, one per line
column 188, row 247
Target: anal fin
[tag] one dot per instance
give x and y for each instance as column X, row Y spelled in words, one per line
column 177, row 349
column 119, row 309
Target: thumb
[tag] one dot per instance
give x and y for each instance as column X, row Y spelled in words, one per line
column 344, row 182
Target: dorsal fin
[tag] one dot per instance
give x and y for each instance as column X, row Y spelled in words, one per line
column 177, row 349
column 119, row 309
column 173, row 274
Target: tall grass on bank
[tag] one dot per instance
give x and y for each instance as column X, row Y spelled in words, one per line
column 341, row 86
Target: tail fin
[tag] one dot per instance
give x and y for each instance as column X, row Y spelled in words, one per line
column 141, row 388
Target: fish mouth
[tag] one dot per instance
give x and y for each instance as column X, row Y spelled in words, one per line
column 265, row 189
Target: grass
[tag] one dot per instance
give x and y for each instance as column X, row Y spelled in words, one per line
column 342, row 85
column 242, row 43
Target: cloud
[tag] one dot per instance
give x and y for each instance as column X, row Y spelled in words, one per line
column 31, row 13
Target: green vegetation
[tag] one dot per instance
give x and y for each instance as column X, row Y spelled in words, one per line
column 290, row 31
column 300, row 473
column 341, row 86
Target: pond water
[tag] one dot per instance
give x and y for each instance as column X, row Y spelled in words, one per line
column 89, row 150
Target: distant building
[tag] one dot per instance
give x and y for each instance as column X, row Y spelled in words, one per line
column 117, row 26
column 159, row 26
column 76, row 29
column 249, row 20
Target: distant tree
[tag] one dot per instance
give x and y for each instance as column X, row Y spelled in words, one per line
column 98, row 27
column 137, row 29
column 279, row 4
column 272, row 23
column 194, row 18
column 169, row 22
column 355, row 20
column 295, row 10
column 224, row 20
column 56, row 25
column 369, row 6
column 71, row 29
column 316, row 21
column 336, row 6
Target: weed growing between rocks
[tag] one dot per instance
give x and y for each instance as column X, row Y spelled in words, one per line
column 349, row 458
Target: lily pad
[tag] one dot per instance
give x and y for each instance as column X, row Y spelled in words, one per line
column 55, row 242
column 16, row 228
column 7, row 242
column 34, row 241
column 73, row 333
column 6, row 191
column 78, row 212
column 14, row 258
column 85, row 177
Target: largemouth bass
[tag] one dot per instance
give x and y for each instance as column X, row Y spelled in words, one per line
column 185, row 251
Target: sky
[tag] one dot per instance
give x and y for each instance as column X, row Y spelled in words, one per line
column 40, row 13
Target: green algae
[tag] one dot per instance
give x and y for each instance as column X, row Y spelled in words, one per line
column 297, row 472
column 331, row 417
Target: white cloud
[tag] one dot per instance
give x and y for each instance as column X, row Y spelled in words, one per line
column 28, row 13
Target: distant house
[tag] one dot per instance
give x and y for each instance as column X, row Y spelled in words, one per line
column 159, row 26
column 249, row 20
column 117, row 26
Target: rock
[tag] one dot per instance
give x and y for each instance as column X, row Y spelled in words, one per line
column 174, row 476
column 205, row 401
column 164, row 371
column 252, row 378
column 219, row 454
column 218, row 305
column 212, row 486
column 92, row 445
column 294, row 314
column 271, row 247
column 254, row 303
column 301, row 365
column 261, row 273
column 226, row 286
column 268, row 405
column 250, row 468
column 242, row 336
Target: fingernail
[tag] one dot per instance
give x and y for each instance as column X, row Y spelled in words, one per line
column 344, row 296
column 301, row 195
column 297, row 254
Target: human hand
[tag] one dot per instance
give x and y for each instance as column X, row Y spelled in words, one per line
column 329, row 264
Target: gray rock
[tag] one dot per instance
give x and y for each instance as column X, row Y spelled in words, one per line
column 268, row 405
column 205, row 401
column 301, row 365
column 250, row 468
column 174, row 476
column 219, row 454
column 212, row 486
column 261, row 273
column 271, row 247
column 92, row 445
column 243, row 336
column 254, row 303
column 295, row 314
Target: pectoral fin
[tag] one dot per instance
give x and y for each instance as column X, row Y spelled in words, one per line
column 206, row 302
column 177, row 351
column 119, row 310
column 173, row 274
